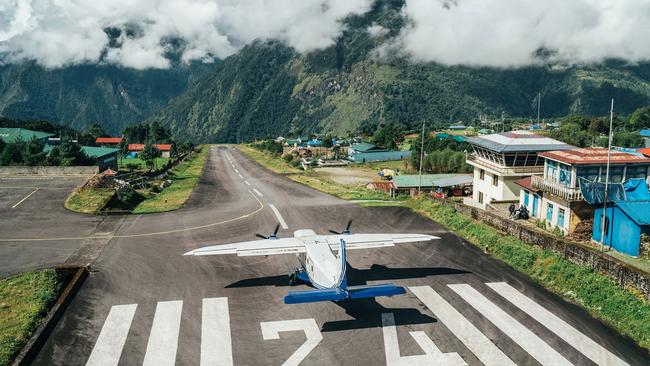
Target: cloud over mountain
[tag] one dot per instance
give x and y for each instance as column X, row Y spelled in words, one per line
column 143, row 33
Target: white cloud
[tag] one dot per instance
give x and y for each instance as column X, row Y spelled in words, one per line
column 376, row 30
column 508, row 33
column 62, row 32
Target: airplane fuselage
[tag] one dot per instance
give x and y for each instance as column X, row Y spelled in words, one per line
column 323, row 269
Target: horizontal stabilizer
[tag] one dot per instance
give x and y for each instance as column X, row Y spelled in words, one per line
column 360, row 292
column 299, row 297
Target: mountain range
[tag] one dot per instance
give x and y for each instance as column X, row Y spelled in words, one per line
column 268, row 89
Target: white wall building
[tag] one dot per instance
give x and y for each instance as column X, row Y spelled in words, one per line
column 555, row 196
column 501, row 159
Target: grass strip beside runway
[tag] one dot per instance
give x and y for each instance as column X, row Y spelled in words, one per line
column 623, row 309
column 24, row 301
column 184, row 177
column 89, row 200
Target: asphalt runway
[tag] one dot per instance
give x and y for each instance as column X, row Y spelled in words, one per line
column 145, row 303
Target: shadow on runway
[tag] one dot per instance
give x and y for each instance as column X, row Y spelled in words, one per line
column 366, row 313
column 355, row 276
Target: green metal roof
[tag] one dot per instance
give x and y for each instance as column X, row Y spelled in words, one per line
column 91, row 151
column 10, row 135
column 364, row 146
column 413, row 181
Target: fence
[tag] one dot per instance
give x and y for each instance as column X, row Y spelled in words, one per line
column 623, row 274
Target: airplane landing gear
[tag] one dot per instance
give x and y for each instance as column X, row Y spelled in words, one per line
column 294, row 277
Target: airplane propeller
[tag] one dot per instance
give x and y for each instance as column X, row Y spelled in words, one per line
column 272, row 236
column 345, row 231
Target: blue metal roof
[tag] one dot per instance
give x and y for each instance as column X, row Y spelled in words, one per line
column 644, row 133
column 638, row 211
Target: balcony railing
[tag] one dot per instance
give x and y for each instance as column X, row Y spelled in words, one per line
column 504, row 170
column 557, row 189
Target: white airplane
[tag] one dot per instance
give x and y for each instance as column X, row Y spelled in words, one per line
column 320, row 267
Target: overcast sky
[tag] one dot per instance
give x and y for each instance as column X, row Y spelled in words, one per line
column 501, row 33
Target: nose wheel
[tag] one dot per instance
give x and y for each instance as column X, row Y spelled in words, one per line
column 294, row 277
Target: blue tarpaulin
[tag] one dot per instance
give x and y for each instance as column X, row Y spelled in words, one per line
column 630, row 190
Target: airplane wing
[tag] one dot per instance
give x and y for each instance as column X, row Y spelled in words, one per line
column 254, row 247
column 369, row 241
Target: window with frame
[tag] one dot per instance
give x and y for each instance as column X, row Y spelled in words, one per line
column 480, row 197
column 495, row 180
column 549, row 213
column 560, row 217
column 481, row 174
column 588, row 173
column 637, row 171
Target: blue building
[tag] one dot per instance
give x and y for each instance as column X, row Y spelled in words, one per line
column 625, row 221
column 627, row 215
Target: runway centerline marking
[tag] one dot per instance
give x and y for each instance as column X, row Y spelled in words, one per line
column 280, row 218
column 163, row 339
column 257, row 192
column 247, row 182
column 562, row 329
column 26, row 197
column 108, row 348
column 521, row 335
column 480, row 345
column 240, row 176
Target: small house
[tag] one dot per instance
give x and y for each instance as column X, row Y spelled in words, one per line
column 165, row 149
column 109, row 141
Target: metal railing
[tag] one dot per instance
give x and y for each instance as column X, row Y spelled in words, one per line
column 504, row 170
column 557, row 189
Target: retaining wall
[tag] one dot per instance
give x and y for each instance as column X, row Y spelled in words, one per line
column 622, row 273
column 47, row 170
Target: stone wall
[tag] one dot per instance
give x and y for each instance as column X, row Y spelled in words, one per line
column 623, row 274
column 47, row 170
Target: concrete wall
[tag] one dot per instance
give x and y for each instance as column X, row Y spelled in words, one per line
column 505, row 190
column 47, row 170
column 577, row 253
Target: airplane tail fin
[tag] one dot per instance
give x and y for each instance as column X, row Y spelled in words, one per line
column 343, row 260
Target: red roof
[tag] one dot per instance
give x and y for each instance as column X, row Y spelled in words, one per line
column 527, row 182
column 594, row 155
column 645, row 151
column 109, row 140
column 140, row 147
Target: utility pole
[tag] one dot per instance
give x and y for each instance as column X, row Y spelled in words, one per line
column 539, row 105
column 421, row 158
column 609, row 154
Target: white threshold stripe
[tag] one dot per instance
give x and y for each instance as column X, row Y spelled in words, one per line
column 216, row 341
column 280, row 219
column 521, row 335
column 108, row 348
column 486, row 351
column 562, row 329
column 26, row 197
column 163, row 339
column 257, row 192
column 247, row 182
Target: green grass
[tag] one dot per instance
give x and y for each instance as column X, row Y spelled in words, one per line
column 89, row 200
column 141, row 165
column 24, row 301
column 184, row 177
column 623, row 309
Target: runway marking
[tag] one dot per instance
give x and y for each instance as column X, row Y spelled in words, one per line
column 109, row 344
column 240, row 176
column 247, row 182
column 432, row 354
column 562, row 329
column 26, row 197
column 236, row 171
column 271, row 330
column 256, row 211
column 280, row 219
column 163, row 339
column 257, row 192
column 216, row 341
column 486, row 351
column 521, row 335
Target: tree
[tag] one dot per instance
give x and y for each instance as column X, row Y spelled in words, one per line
column 96, row 130
column 149, row 154
column 388, row 135
column 327, row 141
column 639, row 119
column 72, row 154
column 11, row 155
column 32, row 153
column 2, row 145
column 54, row 157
